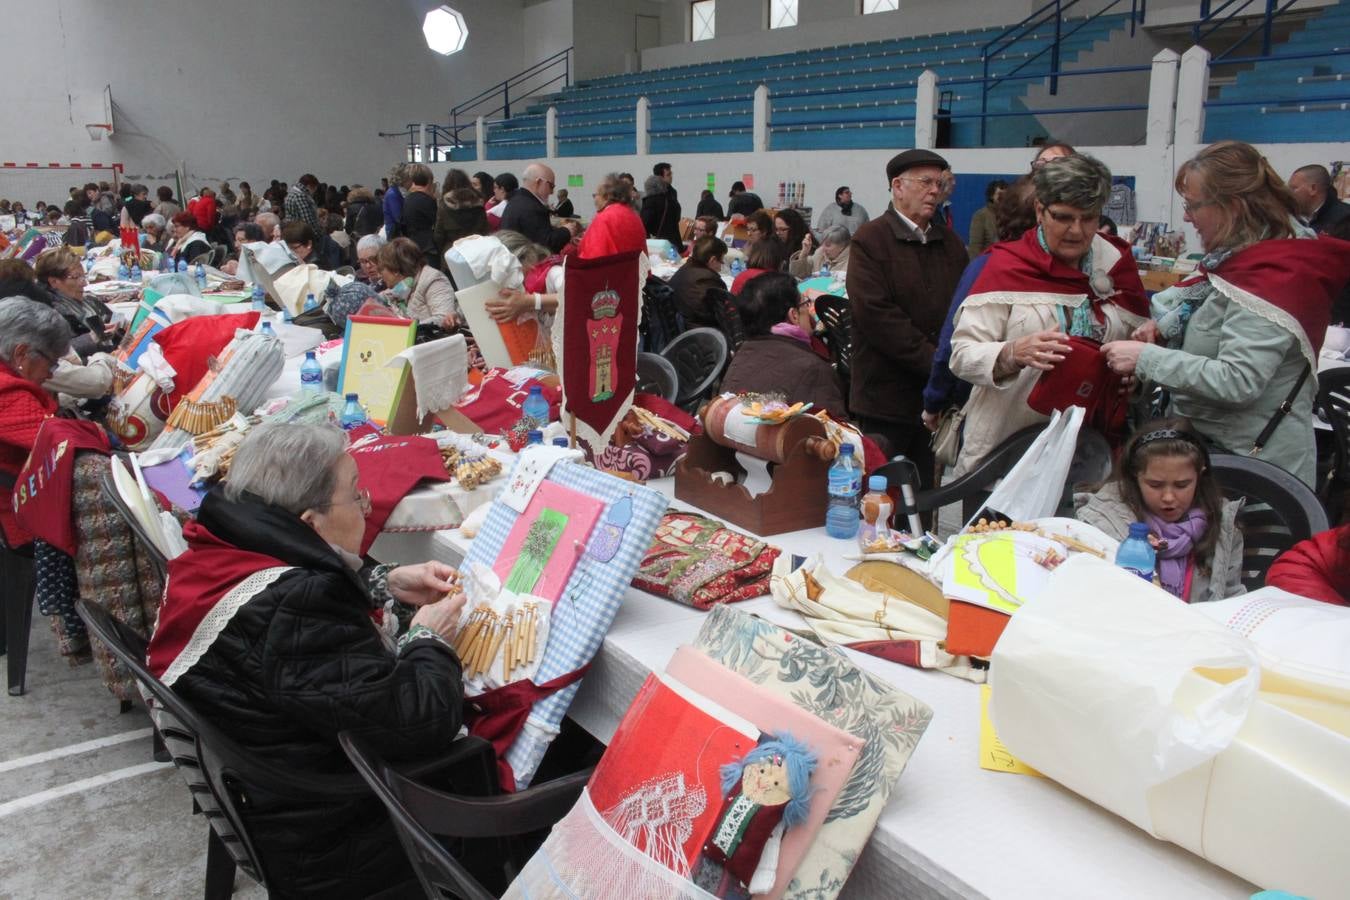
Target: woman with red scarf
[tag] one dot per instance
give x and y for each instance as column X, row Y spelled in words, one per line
column 1243, row 335
column 1061, row 279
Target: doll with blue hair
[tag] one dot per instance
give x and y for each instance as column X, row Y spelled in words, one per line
column 765, row 792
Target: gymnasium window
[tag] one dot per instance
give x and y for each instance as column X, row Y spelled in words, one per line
column 703, row 20
column 782, row 13
column 876, row 6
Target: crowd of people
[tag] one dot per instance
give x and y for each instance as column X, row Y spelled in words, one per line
column 949, row 338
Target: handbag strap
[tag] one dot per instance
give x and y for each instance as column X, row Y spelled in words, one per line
column 1281, row 411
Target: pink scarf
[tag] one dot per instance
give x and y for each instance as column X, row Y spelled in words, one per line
column 1181, row 538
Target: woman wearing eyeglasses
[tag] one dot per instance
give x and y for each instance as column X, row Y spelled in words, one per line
column 1243, row 335
column 273, row 632
column 1060, row 279
column 32, row 338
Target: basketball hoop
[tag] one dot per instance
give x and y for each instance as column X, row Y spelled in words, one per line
column 96, row 131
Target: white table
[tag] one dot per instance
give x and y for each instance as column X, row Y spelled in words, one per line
column 951, row 829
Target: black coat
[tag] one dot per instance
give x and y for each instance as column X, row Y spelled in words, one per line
column 691, row 284
column 364, row 217
column 299, row 662
column 524, row 213
column 710, row 207
column 419, row 223
column 661, row 216
column 744, row 204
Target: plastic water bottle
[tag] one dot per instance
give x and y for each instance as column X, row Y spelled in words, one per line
column 534, row 409
column 843, row 482
column 824, row 269
column 165, row 262
column 136, row 274
column 123, row 273
column 259, row 303
column 534, row 437
column 182, row 267
column 353, row 416
column 267, row 329
column 89, row 247
column 1136, row 554
column 201, row 276
column 311, row 374
column 286, row 317
column 876, row 513
column 310, row 302
column 737, row 266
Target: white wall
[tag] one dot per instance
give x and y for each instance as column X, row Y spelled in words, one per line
column 253, row 89
column 547, row 30
column 605, row 33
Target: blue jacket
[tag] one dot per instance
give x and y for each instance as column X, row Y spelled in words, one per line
column 393, row 211
column 943, row 388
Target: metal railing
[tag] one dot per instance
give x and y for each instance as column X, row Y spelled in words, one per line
column 542, row 75
column 1051, row 12
column 1213, row 18
column 1283, row 104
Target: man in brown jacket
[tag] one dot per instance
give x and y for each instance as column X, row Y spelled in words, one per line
column 902, row 272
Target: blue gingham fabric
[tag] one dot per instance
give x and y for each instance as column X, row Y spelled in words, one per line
column 583, row 614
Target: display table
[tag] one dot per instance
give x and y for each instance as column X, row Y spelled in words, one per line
column 951, row 829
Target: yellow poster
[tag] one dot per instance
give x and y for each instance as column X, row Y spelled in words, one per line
column 369, row 344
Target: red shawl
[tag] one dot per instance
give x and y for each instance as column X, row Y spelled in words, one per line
column 198, row 580
column 43, row 492
column 1022, row 267
column 616, row 229
column 1300, row 276
column 390, row 467
column 23, row 407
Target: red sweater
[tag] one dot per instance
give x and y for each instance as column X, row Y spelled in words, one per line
column 23, row 406
column 616, row 229
column 1318, row 567
column 204, row 211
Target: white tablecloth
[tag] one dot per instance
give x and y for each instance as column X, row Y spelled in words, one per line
column 951, row 828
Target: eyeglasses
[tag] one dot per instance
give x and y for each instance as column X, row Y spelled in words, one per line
column 1087, row 220
column 1190, row 206
column 51, row 361
column 927, row 182
column 75, row 275
column 362, row 499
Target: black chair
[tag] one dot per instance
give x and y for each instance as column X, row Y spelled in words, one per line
column 728, row 316
column 699, row 356
column 421, row 814
column 1278, row 512
column 835, row 314
column 16, row 570
column 1333, row 399
column 143, row 539
column 655, row 375
column 221, row 775
column 660, row 322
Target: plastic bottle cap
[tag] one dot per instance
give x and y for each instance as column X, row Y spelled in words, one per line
column 560, row 442
column 534, row 437
column 309, row 354
column 846, row 449
column 536, row 390
column 351, row 398
column 1139, row 529
column 876, row 483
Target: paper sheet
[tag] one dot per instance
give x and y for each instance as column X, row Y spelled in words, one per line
column 994, row 756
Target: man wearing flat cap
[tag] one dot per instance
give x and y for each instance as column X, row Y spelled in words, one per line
column 902, row 272
column 843, row 211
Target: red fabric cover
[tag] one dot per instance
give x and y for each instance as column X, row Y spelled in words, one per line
column 189, row 345
column 42, row 492
column 738, row 284
column 494, row 405
column 23, row 407
column 668, row 411
column 130, row 238
column 1021, row 266
column 973, row 630
column 600, row 332
column 536, row 280
column 1083, row 379
column 906, row 653
column 615, row 229
column 1300, row 276
column 699, row 562
column 390, row 467
column 497, row 715
column 1318, row 568
column 197, row 580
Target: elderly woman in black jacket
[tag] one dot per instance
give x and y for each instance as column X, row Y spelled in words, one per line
column 269, row 629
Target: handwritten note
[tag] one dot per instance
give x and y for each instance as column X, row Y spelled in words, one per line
column 993, row 755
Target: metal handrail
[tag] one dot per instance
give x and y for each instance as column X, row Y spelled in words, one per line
column 1276, row 101
column 503, row 90
column 1053, row 10
column 1315, row 54
column 1266, row 24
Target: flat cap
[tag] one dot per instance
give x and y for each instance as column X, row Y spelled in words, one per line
column 911, row 158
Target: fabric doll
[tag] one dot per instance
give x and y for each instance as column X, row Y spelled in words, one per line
column 765, row 793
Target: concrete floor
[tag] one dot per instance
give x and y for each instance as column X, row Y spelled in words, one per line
column 84, row 821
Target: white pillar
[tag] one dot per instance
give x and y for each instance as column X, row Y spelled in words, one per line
column 480, row 137
column 1192, row 90
column 925, row 111
column 641, row 123
column 761, row 119
column 422, row 142
column 551, row 133
column 1162, row 97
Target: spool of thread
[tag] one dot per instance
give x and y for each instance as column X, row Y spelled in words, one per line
column 725, row 424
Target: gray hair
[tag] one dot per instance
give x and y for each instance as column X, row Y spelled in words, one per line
column 272, row 218
column 370, row 242
column 34, row 325
column 836, row 236
column 522, row 248
column 153, row 220
column 290, row 466
column 614, row 189
column 1079, row 181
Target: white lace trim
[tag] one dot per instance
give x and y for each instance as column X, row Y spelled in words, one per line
column 1032, row 298
column 1271, row 313
column 220, row 615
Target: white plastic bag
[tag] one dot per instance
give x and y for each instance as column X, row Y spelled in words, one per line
column 1094, row 685
column 1033, row 487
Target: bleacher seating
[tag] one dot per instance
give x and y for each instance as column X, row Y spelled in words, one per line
column 849, row 96
column 1308, row 98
